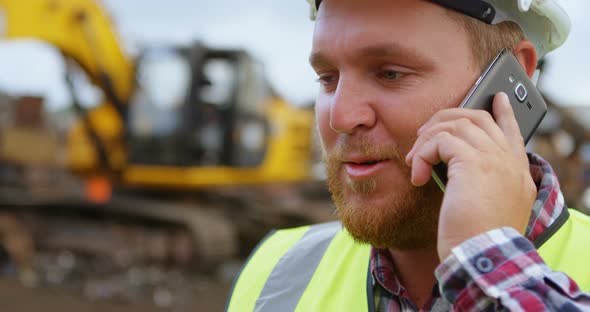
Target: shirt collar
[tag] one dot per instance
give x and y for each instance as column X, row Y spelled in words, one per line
column 549, row 203
column 383, row 271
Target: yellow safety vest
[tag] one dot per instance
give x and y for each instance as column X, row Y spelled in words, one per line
column 321, row 268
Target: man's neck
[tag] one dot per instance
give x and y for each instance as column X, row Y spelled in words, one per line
column 415, row 271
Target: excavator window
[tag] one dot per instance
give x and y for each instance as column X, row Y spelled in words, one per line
column 198, row 107
column 163, row 80
column 217, row 83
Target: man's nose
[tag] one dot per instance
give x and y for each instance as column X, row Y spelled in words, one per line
column 352, row 108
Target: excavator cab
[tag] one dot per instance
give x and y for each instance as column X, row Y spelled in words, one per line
column 197, row 106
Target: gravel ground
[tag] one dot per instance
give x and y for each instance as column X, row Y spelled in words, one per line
column 14, row 297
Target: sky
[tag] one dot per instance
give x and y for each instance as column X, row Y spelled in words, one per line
column 278, row 33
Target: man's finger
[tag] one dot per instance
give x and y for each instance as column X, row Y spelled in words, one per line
column 462, row 128
column 506, row 120
column 442, row 147
column 480, row 118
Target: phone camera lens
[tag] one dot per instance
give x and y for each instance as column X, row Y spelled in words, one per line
column 521, row 92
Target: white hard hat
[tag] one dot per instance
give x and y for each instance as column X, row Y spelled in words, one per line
column 544, row 22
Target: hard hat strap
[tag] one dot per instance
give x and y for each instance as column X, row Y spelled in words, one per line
column 478, row 9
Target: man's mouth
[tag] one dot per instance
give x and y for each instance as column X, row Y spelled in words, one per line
column 363, row 169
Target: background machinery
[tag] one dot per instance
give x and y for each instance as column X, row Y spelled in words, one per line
column 191, row 157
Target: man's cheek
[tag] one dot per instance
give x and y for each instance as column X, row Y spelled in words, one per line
column 325, row 134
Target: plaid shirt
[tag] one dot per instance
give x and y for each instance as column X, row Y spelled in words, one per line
column 517, row 279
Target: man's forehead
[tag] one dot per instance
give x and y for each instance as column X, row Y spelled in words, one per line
column 395, row 29
column 378, row 13
column 414, row 33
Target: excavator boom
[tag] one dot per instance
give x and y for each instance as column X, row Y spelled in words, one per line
column 82, row 31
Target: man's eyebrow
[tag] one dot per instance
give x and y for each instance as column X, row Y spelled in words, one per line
column 317, row 60
column 393, row 50
column 387, row 50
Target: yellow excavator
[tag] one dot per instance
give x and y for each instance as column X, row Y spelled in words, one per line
column 230, row 130
column 174, row 119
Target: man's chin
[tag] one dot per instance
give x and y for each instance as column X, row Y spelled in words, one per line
column 403, row 219
column 382, row 209
column 374, row 193
column 363, row 188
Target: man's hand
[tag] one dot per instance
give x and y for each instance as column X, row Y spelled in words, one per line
column 489, row 183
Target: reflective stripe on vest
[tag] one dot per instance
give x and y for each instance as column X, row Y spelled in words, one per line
column 251, row 280
column 338, row 279
column 281, row 293
column 567, row 250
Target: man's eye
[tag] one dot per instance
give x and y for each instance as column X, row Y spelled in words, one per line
column 326, row 80
column 390, row 74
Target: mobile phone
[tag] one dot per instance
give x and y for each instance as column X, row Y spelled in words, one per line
column 503, row 74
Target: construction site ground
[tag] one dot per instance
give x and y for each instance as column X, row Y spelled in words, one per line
column 72, row 255
column 209, row 296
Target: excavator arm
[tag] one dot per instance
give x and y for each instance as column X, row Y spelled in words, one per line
column 81, row 31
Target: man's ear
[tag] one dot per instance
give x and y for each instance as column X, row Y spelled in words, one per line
column 527, row 56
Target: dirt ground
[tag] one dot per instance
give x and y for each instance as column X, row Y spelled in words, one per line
column 14, row 297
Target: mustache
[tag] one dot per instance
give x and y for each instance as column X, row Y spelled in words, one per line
column 365, row 148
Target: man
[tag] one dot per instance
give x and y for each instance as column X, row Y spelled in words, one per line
column 392, row 74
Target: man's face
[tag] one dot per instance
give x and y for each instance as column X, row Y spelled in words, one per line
column 385, row 67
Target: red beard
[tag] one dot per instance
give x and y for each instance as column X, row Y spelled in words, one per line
column 405, row 218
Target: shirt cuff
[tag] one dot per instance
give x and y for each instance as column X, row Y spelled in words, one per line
column 487, row 265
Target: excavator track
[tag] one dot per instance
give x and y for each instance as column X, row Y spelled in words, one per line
column 185, row 234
